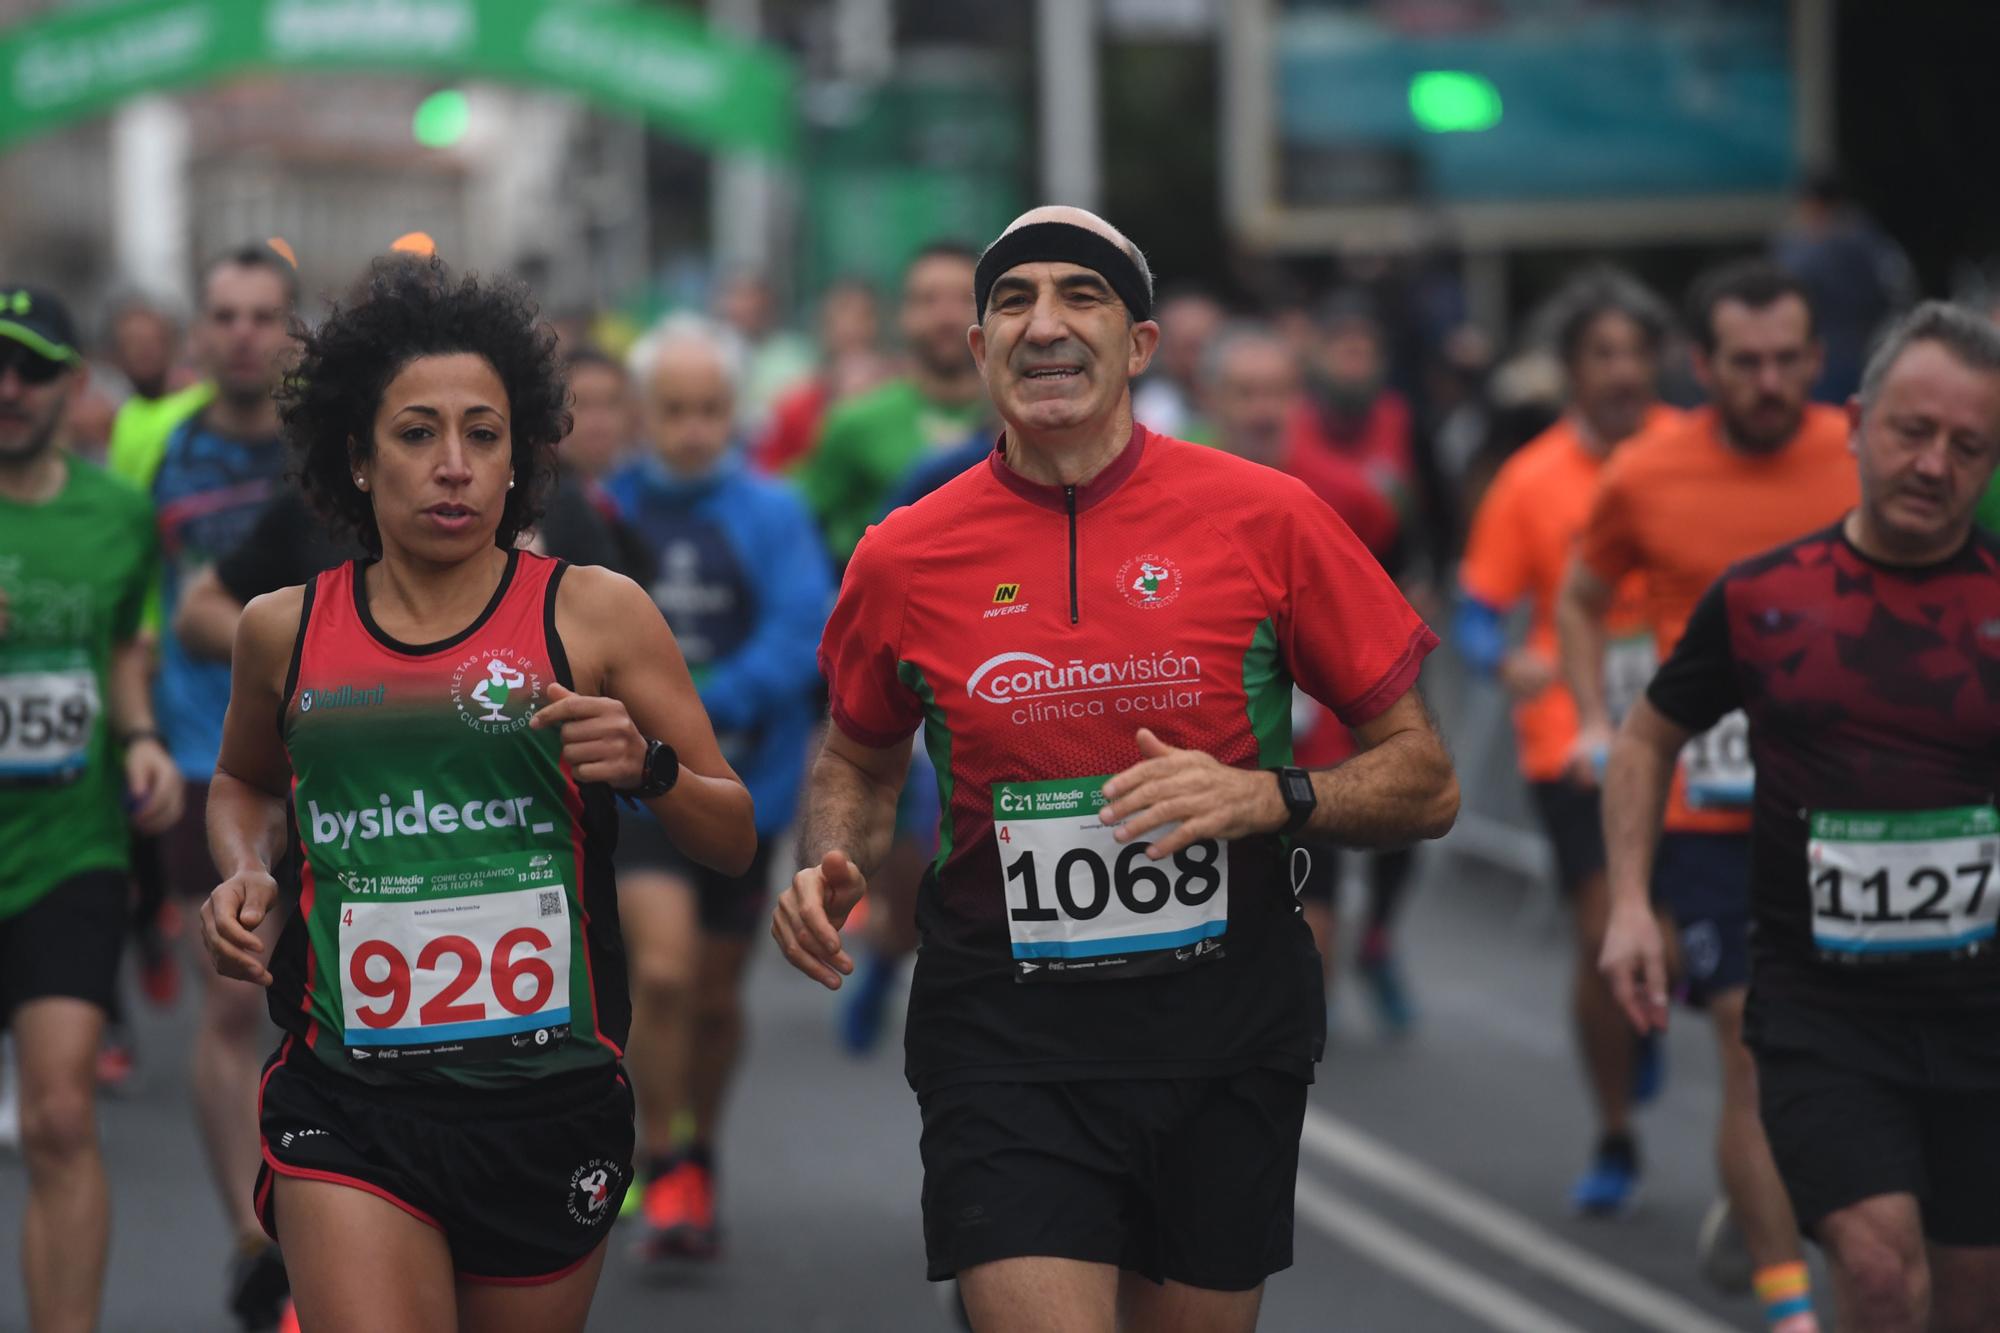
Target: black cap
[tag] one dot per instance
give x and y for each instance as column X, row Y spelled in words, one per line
column 38, row 321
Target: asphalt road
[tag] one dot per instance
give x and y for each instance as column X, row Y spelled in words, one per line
column 1430, row 1191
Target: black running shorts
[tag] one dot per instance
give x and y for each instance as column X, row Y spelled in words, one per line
column 524, row 1184
column 1858, row 1105
column 1188, row 1179
column 1573, row 818
column 728, row 904
column 66, row 943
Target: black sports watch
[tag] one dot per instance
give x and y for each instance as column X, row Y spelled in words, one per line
column 1295, row 785
column 658, row 773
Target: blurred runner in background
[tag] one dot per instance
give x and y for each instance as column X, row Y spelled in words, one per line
column 1609, row 331
column 80, row 755
column 746, row 587
column 1760, row 465
column 210, row 480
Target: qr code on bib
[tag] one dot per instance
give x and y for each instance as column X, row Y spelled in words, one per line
column 551, row 902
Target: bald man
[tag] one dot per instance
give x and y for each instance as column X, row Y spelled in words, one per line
column 1116, row 1009
column 743, row 580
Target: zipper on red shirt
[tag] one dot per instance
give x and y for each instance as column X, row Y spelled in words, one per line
column 1069, row 502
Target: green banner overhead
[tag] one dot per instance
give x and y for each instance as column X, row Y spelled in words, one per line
column 662, row 65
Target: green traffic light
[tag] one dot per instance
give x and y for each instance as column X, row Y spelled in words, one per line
column 1450, row 101
column 442, row 119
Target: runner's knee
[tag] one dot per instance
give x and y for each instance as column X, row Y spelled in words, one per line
column 1886, row 1285
column 58, row 1125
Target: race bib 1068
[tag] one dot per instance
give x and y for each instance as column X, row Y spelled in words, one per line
column 454, row 966
column 1893, row 886
column 1717, row 763
column 1081, row 904
column 48, row 713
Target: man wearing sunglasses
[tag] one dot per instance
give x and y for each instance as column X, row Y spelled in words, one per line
column 79, row 757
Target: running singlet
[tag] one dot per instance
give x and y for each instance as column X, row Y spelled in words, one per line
column 1032, row 631
column 62, row 785
column 1679, row 506
column 1873, row 694
column 457, row 922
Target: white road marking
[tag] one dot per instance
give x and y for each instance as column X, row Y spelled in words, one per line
column 1421, row 1265
column 1503, row 1229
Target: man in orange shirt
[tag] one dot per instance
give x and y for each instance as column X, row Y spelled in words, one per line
column 1608, row 330
column 1755, row 468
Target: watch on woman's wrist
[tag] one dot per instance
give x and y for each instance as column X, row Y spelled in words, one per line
column 658, row 772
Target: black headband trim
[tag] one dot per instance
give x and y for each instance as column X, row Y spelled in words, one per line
column 1066, row 243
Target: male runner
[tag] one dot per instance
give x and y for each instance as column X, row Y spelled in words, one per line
column 1756, row 467
column 744, row 582
column 79, row 755
column 219, row 468
column 1867, row 656
column 1608, row 331
column 871, row 441
column 1116, row 1009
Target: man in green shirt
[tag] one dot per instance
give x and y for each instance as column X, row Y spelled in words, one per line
column 79, row 756
column 870, row 442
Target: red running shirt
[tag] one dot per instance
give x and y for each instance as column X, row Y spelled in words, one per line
column 1031, row 631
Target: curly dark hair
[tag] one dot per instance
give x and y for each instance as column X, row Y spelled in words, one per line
column 402, row 308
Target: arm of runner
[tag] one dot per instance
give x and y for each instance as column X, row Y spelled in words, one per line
column 152, row 781
column 849, row 822
column 1581, row 606
column 246, row 797
column 1399, row 789
column 1690, row 692
column 1636, row 783
column 620, row 645
column 205, row 620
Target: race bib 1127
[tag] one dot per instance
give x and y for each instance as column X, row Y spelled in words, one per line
column 1081, row 904
column 1900, row 885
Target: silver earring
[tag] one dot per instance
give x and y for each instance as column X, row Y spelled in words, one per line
column 510, row 485
column 360, row 481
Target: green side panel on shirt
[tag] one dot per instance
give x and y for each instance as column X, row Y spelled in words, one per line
column 1267, row 685
column 1988, row 513
column 76, row 571
column 937, row 743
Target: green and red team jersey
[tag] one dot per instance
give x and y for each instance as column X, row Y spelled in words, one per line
column 1031, row 631
column 457, row 922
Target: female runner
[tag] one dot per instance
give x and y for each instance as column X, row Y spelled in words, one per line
column 447, row 1133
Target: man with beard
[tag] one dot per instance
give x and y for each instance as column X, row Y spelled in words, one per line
column 219, row 470
column 873, row 440
column 1757, row 467
column 78, row 749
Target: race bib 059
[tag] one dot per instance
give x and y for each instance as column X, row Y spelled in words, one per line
column 1081, row 904
column 456, row 965
column 1893, row 886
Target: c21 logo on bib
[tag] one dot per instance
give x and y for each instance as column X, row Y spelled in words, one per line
column 496, row 691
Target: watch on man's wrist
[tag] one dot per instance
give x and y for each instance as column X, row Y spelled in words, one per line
column 1295, row 788
column 658, row 772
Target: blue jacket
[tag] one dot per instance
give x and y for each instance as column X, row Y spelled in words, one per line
column 745, row 585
